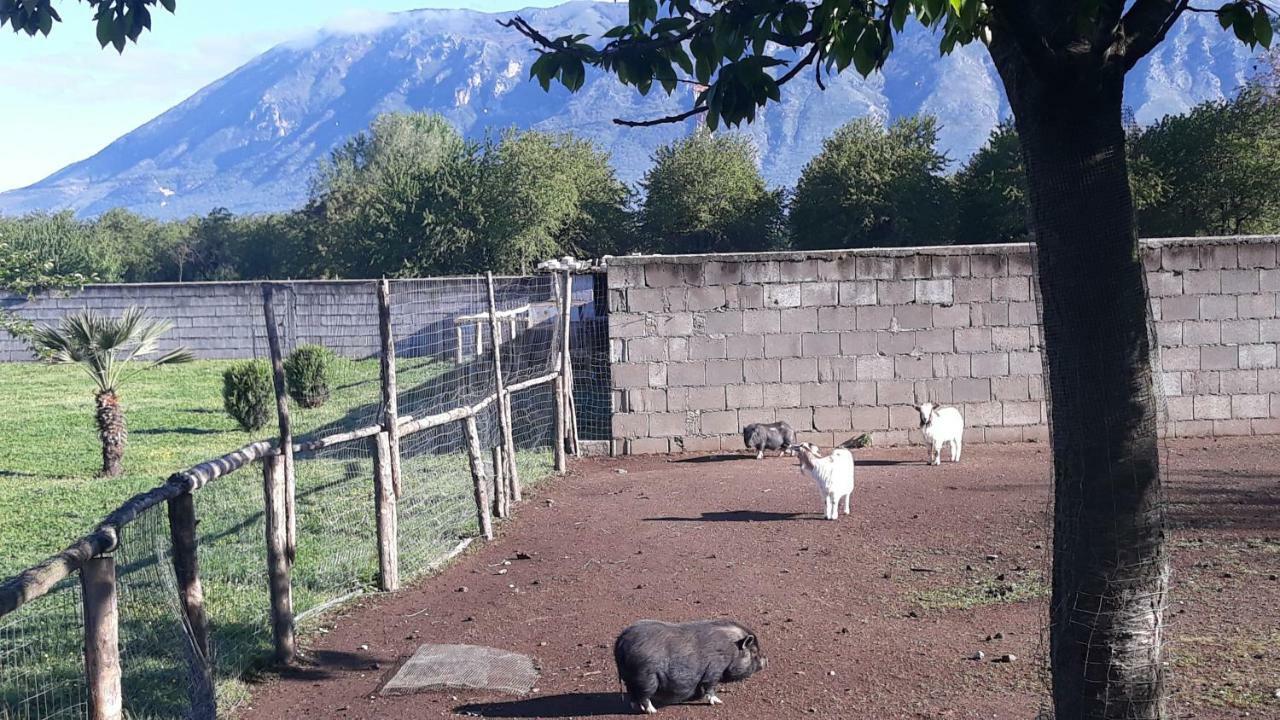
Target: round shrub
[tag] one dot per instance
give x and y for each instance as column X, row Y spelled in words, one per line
column 247, row 394
column 306, row 372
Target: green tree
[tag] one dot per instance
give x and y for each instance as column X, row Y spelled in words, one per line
column 69, row 245
column 400, row 198
column 705, row 193
column 991, row 191
column 875, row 186
column 111, row 351
column 547, row 195
column 1063, row 65
column 115, row 21
column 24, row 272
column 1218, row 167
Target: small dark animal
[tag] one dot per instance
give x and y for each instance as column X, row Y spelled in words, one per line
column 768, row 436
column 672, row 663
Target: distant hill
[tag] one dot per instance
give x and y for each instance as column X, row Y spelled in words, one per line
column 250, row 141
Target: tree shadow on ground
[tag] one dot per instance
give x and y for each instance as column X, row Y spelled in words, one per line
column 1237, row 500
column 177, row 431
column 712, row 459
column 568, row 705
column 736, row 516
column 318, row 665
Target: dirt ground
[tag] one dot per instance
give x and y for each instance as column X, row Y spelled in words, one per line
column 877, row 615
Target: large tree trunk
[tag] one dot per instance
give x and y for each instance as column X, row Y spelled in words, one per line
column 112, row 433
column 1110, row 573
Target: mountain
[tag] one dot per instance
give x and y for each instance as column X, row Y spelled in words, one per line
column 250, row 141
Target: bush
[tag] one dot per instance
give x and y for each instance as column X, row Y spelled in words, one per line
column 306, row 372
column 247, row 394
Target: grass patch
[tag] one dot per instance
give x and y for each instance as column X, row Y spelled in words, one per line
column 49, row 496
column 980, row 593
column 1215, row 670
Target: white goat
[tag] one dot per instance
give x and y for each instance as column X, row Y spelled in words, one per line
column 832, row 473
column 941, row 425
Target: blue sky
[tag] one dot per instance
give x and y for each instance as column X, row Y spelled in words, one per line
column 62, row 98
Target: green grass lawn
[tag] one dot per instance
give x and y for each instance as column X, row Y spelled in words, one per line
column 49, row 496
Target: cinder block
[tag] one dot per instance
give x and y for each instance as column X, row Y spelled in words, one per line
column 1219, row 358
column 667, row 424
column 845, row 318
column 1239, row 282
column 1269, row 280
column 744, row 396
column 974, row 435
column 686, row 374
column 1269, row 380
column 911, row 267
column 723, row 273
column 895, row 392
column 874, row 367
column 891, row 438
column 646, row 400
column 782, row 295
column 705, row 298
column 707, row 348
column 984, row 414
column 1169, row 383
column 761, row 321
column 1011, row 338
column 1035, row 433
column 761, row 371
column 765, row 271
column 799, row 320
column 1000, row 435
column 744, row 346
column 815, row 294
column 820, row 344
column 864, row 419
column 1162, row 284
column 988, row 314
column 858, row 292
column 970, row 340
column 1204, row 382
column 1180, row 358
column 1218, row 256
column 842, row 268
column 837, row 369
column 720, row 423
column 706, row 398
column 1021, row 413
column 936, row 390
column 724, row 372
column 1193, row 428
column 910, row 317
column 889, row 342
column 673, row 325
column 744, row 297
column 934, row 291
column 895, row 292
column 726, row 322
column 663, row 275
column 627, row 325
column 940, row 340
column 697, row 444
column 911, row 366
column 658, row 376
column 1024, row 313
column 903, row 417
column 1258, row 305
column 1257, row 255
column 625, row 276
column 1212, row 407
column 1265, row 427
column 799, row 369
column 646, row 349
column 868, row 318
column 967, row 290
column 1269, row 331
column 862, row 342
column 951, row 316
column 1250, row 406
column 778, row 395
column 1202, row 332
column 816, row 394
column 1202, row 282
column 674, row 299
column 1169, row 334
column 645, row 300
column 648, row 446
column 952, row 365
column 858, row 392
column 832, row 418
column 1217, row 307
column 1258, row 356
column 1240, row 332
column 1015, row 388
column 800, row 419
column 988, row 266
column 780, row 346
column 874, row 268
column 1179, row 308
column 1180, row 408
column 798, row 271
column 1025, row 363
column 950, row 266
column 1017, row 289
column 994, row 364
column 1232, row 428
column 617, row 301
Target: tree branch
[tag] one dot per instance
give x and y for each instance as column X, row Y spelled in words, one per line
column 1142, row 28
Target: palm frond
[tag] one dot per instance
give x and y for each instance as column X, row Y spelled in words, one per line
column 106, row 347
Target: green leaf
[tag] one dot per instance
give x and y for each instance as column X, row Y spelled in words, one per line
column 106, row 29
column 170, row 5
column 900, row 12
column 1227, row 15
column 545, row 68
column 705, row 57
column 45, row 20
column 796, row 15
column 1262, row 29
column 572, row 74
column 1243, row 25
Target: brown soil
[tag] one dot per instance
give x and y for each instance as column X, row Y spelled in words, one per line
column 877, row 615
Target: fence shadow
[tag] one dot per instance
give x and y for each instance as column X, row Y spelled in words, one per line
column 737, row 516
column 568, row 705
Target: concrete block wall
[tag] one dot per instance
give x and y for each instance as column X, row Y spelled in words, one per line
column 844, row 342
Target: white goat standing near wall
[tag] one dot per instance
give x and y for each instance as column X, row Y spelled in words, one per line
column 941, row 425
column 833, row 475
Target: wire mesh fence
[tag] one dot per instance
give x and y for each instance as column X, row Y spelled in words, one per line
column 444, row 336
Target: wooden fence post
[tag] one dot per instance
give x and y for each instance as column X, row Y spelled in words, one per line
column 282, row 413
column 478, row 477
column 504, row 399
column 566, row 368
column 501, row 502
column 390, row 402
column 102, row 639
column 273, row 491
column 384, row 499
column 561, row 465
column 186, row 569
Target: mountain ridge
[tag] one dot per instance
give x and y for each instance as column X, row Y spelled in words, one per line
column 250, row 140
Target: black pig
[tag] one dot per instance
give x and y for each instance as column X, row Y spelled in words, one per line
column 672, row 663
column 768, row 436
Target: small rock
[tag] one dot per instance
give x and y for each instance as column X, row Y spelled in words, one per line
column 364, row 647
column 503, row 571
column 549, row 502
column 912, row 614
column 542, row 644
column 621, row 471
column 844, row 631
column 462, row 589
column 1000, row 577
column 523, row 556
column 1007, row 658
column 1271, row 577
column 979, row 655
column 506, row 562
column 375, row 666
column 831, row 673
column 469, row 618
column 887, row 576
column 998, row 636
column 992, row 558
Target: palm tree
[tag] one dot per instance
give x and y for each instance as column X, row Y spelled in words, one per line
column 106, row 348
